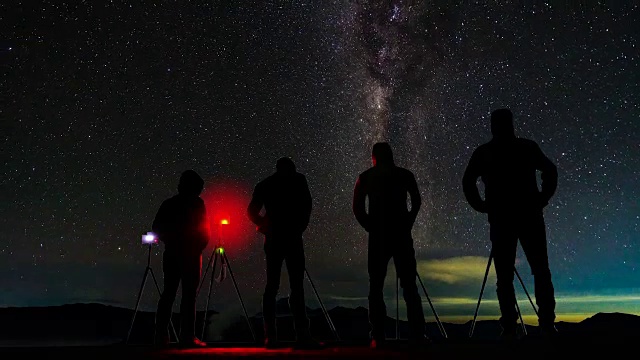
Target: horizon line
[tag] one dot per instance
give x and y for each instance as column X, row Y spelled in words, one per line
column 529, row 319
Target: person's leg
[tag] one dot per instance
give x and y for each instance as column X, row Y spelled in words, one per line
column 406, row 267
column 504, row 246
column 171, row 274
column 191, row 269
column 274, row 258
column 533, row 239
column 295, row 262
column 378, row 259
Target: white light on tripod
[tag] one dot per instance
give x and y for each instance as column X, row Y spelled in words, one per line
column 149, row 238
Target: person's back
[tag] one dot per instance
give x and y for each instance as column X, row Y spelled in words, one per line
column 286, row 199
column 387, row 188
column 508, row 168
column 181, row 225
column 509, row 174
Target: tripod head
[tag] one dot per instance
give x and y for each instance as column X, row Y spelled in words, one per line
column 149, row 239
column 221, row 225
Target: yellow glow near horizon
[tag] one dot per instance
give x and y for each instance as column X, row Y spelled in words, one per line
column 528, row 319
column 570, row 308
column 456, row 270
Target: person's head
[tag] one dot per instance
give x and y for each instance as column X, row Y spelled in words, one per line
column 285, row 165
column 502, row 124
column 381, row 154
column 190, row 183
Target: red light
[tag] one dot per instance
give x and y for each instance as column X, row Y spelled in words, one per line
column 233, row 351
column 228, row 199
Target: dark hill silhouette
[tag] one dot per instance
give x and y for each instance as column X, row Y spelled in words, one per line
column 609, row 324
column 91, row 322
column 352, row 326
column 88, row 322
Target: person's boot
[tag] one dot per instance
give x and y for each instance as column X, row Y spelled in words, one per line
column 378, row 343
column 419, row 342
column 192, row 342
column 271, row 342
column 548, row 331
column 161, row 338
column 307, row 342
column 418, row 339
column 378, row 340
column 271, row 335
column 510, row 334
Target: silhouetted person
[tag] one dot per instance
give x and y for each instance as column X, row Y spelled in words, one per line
column 181, row 224
column 508, row 168
column 389, row 222
column 287, row 202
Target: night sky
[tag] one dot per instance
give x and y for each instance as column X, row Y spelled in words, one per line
column 105, row 103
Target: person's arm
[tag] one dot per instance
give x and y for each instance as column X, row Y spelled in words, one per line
column 469, row 187
column 549, row 175
column 161, row 226
column 307, row 204
column 254, row 208
column 358, row 206
column 416, row 199
column 204, row 232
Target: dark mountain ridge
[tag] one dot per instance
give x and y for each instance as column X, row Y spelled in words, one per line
column 96, row 321
column 80, row 321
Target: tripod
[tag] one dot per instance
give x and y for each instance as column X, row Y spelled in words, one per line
column 220, row 253
column 324, row 310
column 435, row 314
column 148, row 270
column 486, row 274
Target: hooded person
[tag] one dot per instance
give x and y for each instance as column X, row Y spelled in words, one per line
column 181, row 225
column 389, row 223
column 287, row 204
column 508, row 167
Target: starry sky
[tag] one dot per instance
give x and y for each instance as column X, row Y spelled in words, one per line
column 105, row 103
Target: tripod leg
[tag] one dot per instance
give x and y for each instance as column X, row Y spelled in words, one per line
column 486, row 274
column 525, row 291
column 324, row 310
column 144, row 280
column 235, row 284
column 397, row 308
column 524, row 328
column 204, row 275
column 435, row 314
column 153, row 276
column 206, row 308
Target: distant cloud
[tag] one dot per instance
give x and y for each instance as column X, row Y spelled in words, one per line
column 460, row 301
column 350, row 298
column 455, row 270
column 598, row 298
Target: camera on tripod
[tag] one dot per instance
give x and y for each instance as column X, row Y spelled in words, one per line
column 149, row 238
